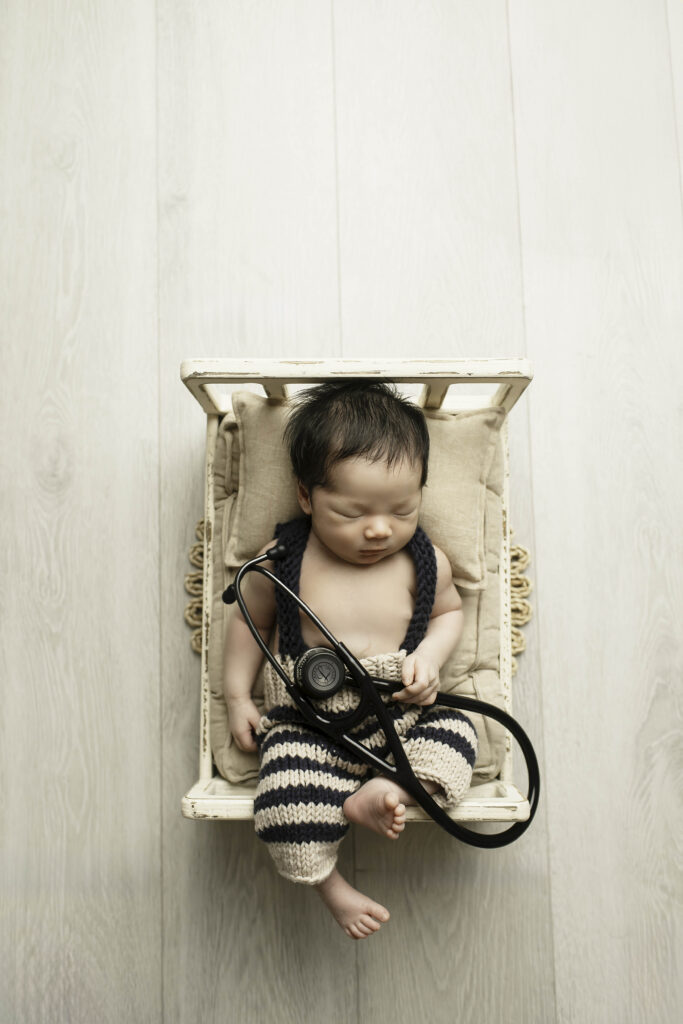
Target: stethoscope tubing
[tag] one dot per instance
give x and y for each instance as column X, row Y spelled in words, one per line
column 337, row 728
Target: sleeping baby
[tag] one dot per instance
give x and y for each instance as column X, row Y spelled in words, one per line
column 360, row 455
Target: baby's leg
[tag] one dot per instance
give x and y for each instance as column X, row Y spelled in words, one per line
column 303, row 783
column 298, row 810
column 442, row 748
column 380, row 804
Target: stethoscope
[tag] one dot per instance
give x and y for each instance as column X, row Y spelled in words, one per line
column 320, row 672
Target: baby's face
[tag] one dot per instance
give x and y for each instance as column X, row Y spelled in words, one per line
column 367, row 511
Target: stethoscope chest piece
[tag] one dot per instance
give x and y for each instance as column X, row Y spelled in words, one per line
column 319, row 672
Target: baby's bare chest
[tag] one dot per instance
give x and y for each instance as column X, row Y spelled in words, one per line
column 368, row 608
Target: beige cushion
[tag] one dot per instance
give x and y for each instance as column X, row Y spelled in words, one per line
column 472, row 669
column 453, row 502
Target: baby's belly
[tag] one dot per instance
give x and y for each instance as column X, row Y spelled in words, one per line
column 365, row 627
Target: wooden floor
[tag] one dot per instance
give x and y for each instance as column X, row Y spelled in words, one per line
column 183, row 179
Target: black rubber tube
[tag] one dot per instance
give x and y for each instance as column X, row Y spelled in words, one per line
column 371, row 703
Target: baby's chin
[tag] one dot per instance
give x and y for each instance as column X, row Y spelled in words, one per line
column 369, row 557
column 359, row 557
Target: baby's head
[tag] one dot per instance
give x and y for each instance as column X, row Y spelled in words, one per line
column 360, row 454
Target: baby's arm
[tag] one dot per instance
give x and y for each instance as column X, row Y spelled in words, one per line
column 242, row 656
column 421, row 668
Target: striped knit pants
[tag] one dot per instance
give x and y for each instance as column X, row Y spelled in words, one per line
column 305, row 778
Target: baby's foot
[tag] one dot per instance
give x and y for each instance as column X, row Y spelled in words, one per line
column 377, row 805
column 354, row 912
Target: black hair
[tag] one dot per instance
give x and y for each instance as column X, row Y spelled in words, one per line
column 341, row 419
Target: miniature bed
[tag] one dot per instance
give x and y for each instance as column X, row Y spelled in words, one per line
column 249, row 488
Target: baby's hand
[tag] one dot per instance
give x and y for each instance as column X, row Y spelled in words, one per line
column 243, row 715
column 420, row 678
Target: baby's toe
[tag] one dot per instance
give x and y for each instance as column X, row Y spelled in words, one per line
column 398, row 822
column 379, row 912
column 391, row 801
column 370, row 923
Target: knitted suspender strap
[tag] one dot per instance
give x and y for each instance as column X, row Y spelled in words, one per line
column 294, row 535
column 422, row 551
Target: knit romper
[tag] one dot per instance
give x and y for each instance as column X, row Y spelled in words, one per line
column 304, row 777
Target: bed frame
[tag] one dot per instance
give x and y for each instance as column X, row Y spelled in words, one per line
column 442, row 383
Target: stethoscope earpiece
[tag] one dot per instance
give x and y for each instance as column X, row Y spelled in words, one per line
column 274, row 554
column 277, row 553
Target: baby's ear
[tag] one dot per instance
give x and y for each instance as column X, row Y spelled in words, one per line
column 304, row 498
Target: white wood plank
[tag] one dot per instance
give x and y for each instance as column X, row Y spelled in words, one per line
column 429, row 243
column 248, row 269
column 252, row 88
column 603, row 258
column 674, row 16
column 79, row 751
column 431, row 267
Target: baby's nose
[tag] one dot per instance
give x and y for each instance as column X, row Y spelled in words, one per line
column 378, row 526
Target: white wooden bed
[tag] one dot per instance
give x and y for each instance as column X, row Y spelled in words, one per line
column 457, row 384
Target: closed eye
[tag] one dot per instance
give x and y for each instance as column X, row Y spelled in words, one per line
column 359, row 515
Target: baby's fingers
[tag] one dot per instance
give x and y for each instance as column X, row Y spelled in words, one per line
column 245, row 740
column 427, row 698
column 409, row 671
column 244, row 734
column 400, row 695
column 415, row 693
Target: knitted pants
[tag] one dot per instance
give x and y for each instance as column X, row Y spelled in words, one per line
column 304, row 778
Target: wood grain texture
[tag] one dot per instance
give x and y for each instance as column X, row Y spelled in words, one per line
column 249, row 268
column 81, row 914
column 603, row 257
column 428, row 230
column 674, row 17
column 326, row 180
column 431, row 266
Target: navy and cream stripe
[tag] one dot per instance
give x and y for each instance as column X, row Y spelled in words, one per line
column 305, row 778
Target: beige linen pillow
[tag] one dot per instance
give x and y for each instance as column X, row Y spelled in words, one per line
column 462, row 446
column 461, row 450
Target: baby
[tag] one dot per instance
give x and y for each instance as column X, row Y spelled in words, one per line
column 360, row 453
